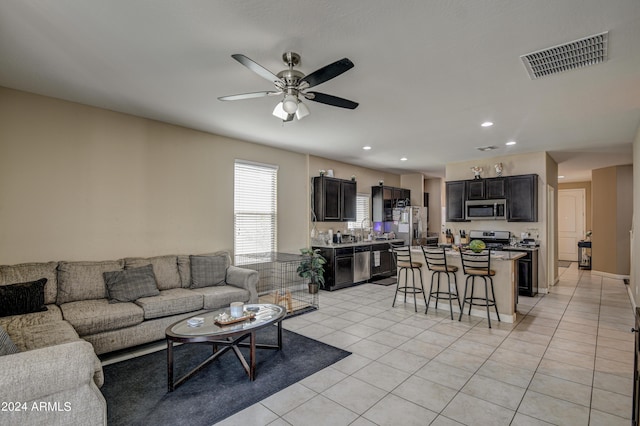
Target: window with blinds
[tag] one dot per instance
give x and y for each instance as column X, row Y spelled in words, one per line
column 255, row 207
column 362, row 211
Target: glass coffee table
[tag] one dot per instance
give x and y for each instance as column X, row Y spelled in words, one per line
column 230, row 336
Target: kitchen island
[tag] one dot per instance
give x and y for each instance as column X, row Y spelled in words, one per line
column 505, row 283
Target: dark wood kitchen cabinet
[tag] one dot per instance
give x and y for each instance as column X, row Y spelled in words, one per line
column 334, row 200
column 486, row 189
column 456, row 196
column 386, row 198
column 382, row 264
column 476, row 189
column 522, row 198
column 496, row 188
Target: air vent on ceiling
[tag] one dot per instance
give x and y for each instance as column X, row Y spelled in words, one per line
column 576, row 54
column 487, row 148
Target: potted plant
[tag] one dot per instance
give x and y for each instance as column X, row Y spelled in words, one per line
column 311, row 268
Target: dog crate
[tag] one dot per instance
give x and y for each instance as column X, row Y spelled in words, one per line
column 279, row 281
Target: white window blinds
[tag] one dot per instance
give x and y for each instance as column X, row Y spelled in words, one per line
column 255, row 207
column 362, row 211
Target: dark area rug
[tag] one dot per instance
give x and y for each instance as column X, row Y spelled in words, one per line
column 136, row 389
column 385, row 281
column 563, row 263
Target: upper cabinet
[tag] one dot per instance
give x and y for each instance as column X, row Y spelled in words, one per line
column 486, row 189
column 496, row 188
column 386, row 198
column 521, row 193
column 522, row 198
column 456, row 196
column 334, row 200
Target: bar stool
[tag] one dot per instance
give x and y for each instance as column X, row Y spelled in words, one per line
column 402, row 255
column 478, row 265
column 436, row 259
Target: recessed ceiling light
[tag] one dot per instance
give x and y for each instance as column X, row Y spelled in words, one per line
column 366, row 148
column 487, row 124
column 510, row 143
column 561, row 177
column 404, row 159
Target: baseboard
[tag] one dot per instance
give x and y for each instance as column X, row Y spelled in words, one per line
column 610, row 275
column 631, row 298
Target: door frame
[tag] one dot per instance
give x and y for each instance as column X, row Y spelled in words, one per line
column 552, row 238
column 583, row 191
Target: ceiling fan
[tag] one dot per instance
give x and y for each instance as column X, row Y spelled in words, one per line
column 293, row 84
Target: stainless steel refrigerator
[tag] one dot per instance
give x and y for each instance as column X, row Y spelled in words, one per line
column 410, row 224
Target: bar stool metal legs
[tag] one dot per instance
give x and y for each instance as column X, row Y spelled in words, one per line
column 404, row 263
column 436, row 259
column 478, row 265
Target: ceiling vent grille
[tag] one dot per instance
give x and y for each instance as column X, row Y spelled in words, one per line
column 486, row 148
column 576, row 54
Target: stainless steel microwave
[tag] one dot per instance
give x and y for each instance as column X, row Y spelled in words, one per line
column 485, row 209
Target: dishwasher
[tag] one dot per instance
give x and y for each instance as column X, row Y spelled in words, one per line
column 362, row 261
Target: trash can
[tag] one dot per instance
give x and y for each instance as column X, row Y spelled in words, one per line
column 584, row 254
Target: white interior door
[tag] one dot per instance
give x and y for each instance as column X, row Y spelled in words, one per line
column 571, row 207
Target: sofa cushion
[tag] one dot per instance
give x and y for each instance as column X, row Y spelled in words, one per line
column 53, row 313
column 95, row 316
column 84, row 280
column 7, row 347
column 170, row 302
column 184, row 270
column 131, row 284
column 43, row 335
column 164, row 267
column 209, row 270
column 31, row 272
column 22, row 298
column 217, row 297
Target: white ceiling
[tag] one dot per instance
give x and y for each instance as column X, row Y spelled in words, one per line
column 427, row 73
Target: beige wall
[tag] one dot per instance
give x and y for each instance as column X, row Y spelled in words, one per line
column 612, row 211
column 539, row 163
column 588, row 223
column 434, row 187
column 83, row 183
column 635, row 240
column 415, row 183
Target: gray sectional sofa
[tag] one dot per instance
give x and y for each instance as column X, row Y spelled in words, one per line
column 112, row 305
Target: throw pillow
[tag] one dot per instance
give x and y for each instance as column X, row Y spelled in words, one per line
column 22, row 298
column 207, row 271
column 131, row 284
column 7, row 347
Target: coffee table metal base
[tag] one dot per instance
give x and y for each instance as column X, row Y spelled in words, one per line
column 229, row 344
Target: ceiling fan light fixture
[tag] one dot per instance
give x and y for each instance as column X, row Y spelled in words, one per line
column 290, row 104
column 302, row 111
column 279, row 112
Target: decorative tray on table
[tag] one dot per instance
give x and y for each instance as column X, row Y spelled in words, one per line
column 226, row 319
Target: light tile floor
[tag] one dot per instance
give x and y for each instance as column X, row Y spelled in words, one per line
column 567, row 361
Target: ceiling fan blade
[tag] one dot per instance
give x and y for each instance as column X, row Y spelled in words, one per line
column 328, row 72
column 331, row 100
column 248, row 96
column 257, row 68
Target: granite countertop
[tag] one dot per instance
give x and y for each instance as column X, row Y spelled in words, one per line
column 495, row 254
column 358, row 244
